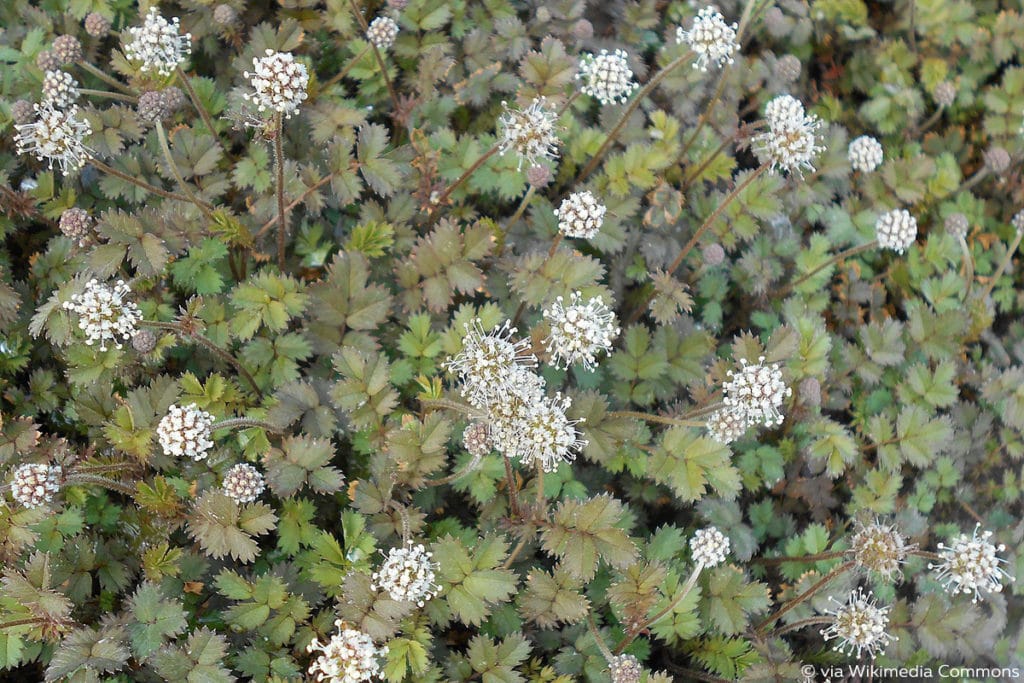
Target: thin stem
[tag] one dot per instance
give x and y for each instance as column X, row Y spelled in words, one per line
column 514, row 554
column 282, row 213
column 473, row 463
column 596, row 635
column 197, row 103
column 551, row 252
column 668, row 609
column 978, row 176
column 515, row 217
column 846, row 566
column 934, row 557
column 153, row 189
column 513, row 496
column 968, row 263
column 308, row 191
column 818, row 557
column 109, row 95
column 845, row 254
column 634, row 103
column 450, row 405
column 660, row 419
column 742, row 130
column 105, row 77
column 83, row 478
column 443, row 197
column 348, row 67
column 162, row 136
column 97, row 469
column 706, row 114
column 797, row 625
column 930, row 122
column 376, row 54
column 234, row 422
column 1003, row 265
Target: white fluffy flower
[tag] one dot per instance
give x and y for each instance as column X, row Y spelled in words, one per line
column 606, row 76
column 625, row 669
column 382, row 32
column 530, row 132
column 879, row 548
column 865, row 154
column 790, row 143
column 896, row 230
column 104, row 313
column 279, row 83
column 60, row 89
column 57, row 135
column 186, row 432
column 407, row 575
column 243, row 483
column 859, row 624
column 971, row 565
column 580, row 331
column 727, row 424
column 488, row 362
column 157, row 44
column 709, row 547
column 580, row 215
column 349, row 656
column 35, row 484
column 757, row 390
column 712, row 40
column 542, row 434
column 505, row 411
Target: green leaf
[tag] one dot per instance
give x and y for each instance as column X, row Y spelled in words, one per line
column 156, row 620
column 731, row 599
column 689, row 464
column 581, row 533
column 473, row 584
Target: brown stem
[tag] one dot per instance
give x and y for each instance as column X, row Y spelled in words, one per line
column 797, row 625
column 845, row 254
column 197, row 103
column 551, row 252
column 634, row 632
column 473, row 463
column 308, row 191
column 770, row 561
column 105, row 77
column 153, row 189
column 82, row 478
column 515, row 217
column 348, row 67
column 515, row 553
column 282, row 215
column 846, row 566
column 162, row 136
column 376, row 54
column 1003, row 265
column 968, row 265
column 450, row 405
column 443, row 197
column 706, row 114
column 660, row 419
column 234, row 422
column 513, row 496
column 109, row 95
column 596, row 635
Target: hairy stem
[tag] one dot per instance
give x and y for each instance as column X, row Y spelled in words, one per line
column 197, row 103
column 376, row 54
column 846, row 566
column 109, row 95
column 105, row 77
column 162, row 136
column 843, row 255
column 818, row 557
column 308, row 191
column 513, row 495
column 596, row 635
column 443, row 197
column 968, row 265
column 468, row 468
column 515, row 217
column 797, row 625
column 234, row 422
column 668, row 609
column 153, row 189
column 551, row 252
column 96, row 480
column 1004, row 264
column 282, row 212
column 660, row 419
column 348, row 67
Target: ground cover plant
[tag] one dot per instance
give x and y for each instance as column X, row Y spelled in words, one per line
column 495, row 340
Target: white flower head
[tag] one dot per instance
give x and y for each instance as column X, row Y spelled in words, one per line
column 158, row 44
column 530, row 132
column 488, row 362
column 243, row 483
column 971, row 565
column 758, row 390
column 35, row 484
column 542, row 434
column 725, row 425
column 407, row 575
column 880, row 548
column 606, row 76
column 57, row 135
column 382, row 32
column 865, row 154
column 580, row 215
column 790, row 143
column 625, row 669
column 185, row 432
column 712, row 40
column 279, row 83
column 896, row 230
column 104, row 313
column 59, row 89
column 859, row 625
column 506, row 411
column 349, row 656
column 709, row 547
column 580, row 331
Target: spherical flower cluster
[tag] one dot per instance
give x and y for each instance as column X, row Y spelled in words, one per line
column 790, row 143
column 997, row 159
column 279, row 81
column 382, row 32
column 144, row 341
column 67, row 49
column 709, row 547
column 712, row 40
column 488, row 362
column 625, row 669
column 539, row 176
column 97, row 25
column 225, row 15
column 879, row 548
column 758, row 391
column 407, row 575
column 606, row 77
column 541, row 433
column 186, row 432
column 157, row 44
column 76, row 225
column 865, row 154
column 35, row 484
column 971, row 565
column 945, row 94
column 956, row 224
column 104, row 313
column 476, row 439
column 580, row 215
column 896, row 230
column 725, row 425
column 60, row 89
column 580, row 331
column 174, row 98
column 348, row 657
column 243, row 483
column 530, row 132
column 859, row 624
column 788, row 68
column 22, row 111
column 57, row 135
column 47, row 61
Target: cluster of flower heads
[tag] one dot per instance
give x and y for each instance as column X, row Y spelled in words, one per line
column 529, row 132
column 865, row 154
column 712, row 40
column 580, row 330
column 880, row 549
column 56, row 136
column 59, row 89
column 349, row 656
column 709, row 547
column 859, row 625
column 606, row 76
column 753, row 396
column 279, row 83
column 524, row 423
column 35, row 484
column 382, row 32
column 158, row 44
column 242, row 483
column 896, row 230
column 580, row 215
column 104, row 313
column 971, row 565
column 790, row 144
column 185, row 432
column 407, row 575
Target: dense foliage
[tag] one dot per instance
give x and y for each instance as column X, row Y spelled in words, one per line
column 496, row 340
